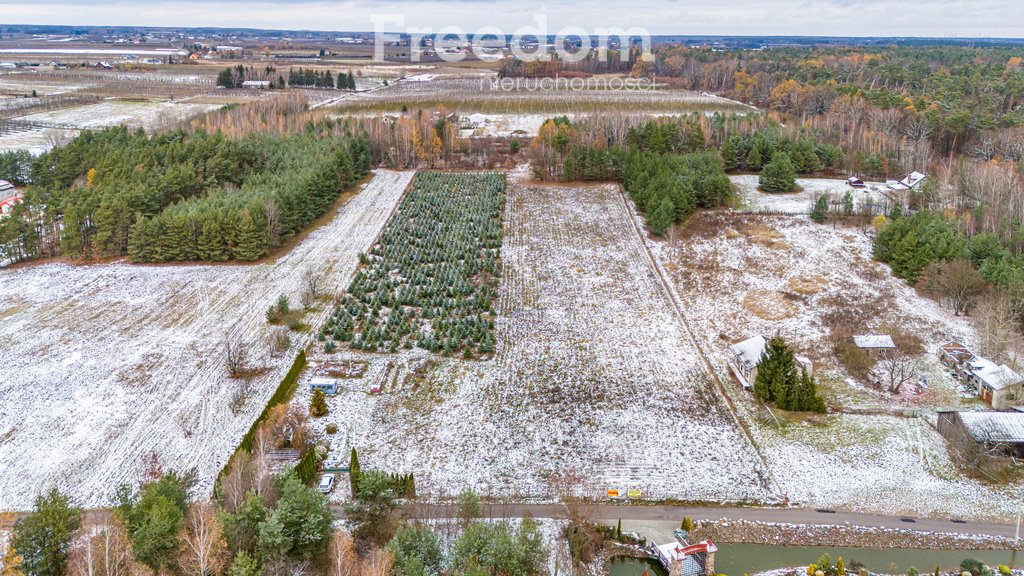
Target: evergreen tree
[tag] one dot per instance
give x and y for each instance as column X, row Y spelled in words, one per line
column 318, row 405
column 848, row 204
column 211, row 244
column 776, row 373
column 243, row 565
column 819, row 211
column 251, row 244
column 43, row 538
column 354, row 472
column 730, row 155
column 754, row 159
column 778, row 175
column 662, row 217
column 350, row 81
column 810, row 401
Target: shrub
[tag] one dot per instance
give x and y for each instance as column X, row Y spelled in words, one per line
column 318, row 405
column 332, row 428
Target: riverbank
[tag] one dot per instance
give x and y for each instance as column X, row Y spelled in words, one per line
column 779, row 534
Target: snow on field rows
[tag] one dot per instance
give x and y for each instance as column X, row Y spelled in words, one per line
column 148, row 115
column 107, row 364
column 594, row 374
column 739, row 275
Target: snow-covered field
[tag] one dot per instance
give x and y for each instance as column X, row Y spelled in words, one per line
column 107, row 364
column 594, row 374
column 502, row 125
column 800, row 202
column 37, row 140
column 136, row 114
column 739, row 275
column 144, row 114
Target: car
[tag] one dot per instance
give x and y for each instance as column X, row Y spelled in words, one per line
column 326, row 483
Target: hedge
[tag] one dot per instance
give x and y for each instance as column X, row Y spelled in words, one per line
column 308, row 466
column 283, row 394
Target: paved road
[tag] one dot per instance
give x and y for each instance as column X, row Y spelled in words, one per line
column 612, row 512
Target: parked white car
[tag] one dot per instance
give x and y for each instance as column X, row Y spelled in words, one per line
column 326, row 483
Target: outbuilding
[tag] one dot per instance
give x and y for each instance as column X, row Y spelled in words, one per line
column 874, row 344
column 329, row 386
column 999, row 432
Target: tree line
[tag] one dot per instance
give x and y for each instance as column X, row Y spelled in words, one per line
column 311, row 78
column 178, row 196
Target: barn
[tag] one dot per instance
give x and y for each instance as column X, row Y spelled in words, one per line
column 1000, row 432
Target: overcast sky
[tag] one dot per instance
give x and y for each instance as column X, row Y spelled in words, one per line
column 944, row 18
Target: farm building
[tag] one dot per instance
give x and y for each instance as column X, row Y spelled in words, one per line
column 744, row 356
column 874, row 344
column 855, row 182
column 1001, row 432
column 909, row 182
column 261, row 84
column 996, row 384
column 329, row 386
column 681, row 558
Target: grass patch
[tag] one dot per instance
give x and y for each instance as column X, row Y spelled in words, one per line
column 769, row 305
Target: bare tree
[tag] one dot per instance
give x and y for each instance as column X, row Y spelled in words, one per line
column 896, row 368
column 236, row 356
column 344, row 561
column 273, row 215
column 105, row 550
column 278, row 340
column 957, row 282
column 377, row 563
column 313, row 281
column 996, row 319
column 238, row 481
column 202, row 551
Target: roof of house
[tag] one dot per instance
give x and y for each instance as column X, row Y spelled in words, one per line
column 873, row 341
column 908, row 182
column 994, row 426
column 10, row 201
column 5, row 185
column 748, row 353
column 995, row 376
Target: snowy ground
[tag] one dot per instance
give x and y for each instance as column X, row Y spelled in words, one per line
column 107, row 364
column 502, row 125
column 800, row 202
column 594, row 374
column 144, row 114
column 739, row 275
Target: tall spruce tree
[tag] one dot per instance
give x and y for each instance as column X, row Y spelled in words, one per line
column 779, row 175
column 354, row 472
column 776, row 373
column 251, row 243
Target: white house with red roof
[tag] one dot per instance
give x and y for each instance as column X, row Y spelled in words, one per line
column 8, row 199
